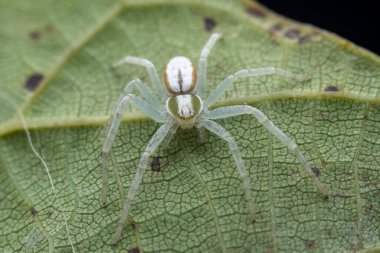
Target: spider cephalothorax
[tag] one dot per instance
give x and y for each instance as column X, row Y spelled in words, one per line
column 181, row 97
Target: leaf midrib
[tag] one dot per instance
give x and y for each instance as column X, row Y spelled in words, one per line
column 15, row 125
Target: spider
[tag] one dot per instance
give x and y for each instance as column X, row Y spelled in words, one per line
column 180, row 105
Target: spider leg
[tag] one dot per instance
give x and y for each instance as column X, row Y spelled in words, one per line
column 201, row 81
column 154, row 142
column 230, row 111
column 114, row 124
column 221, row 132
column 145, row 91
column 165, row 143
column 151, row 70
column 223, row 86
column 201, row 134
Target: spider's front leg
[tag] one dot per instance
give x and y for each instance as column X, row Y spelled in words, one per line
column 115, row 120
column 154, row 142
column 230, row 111
column 223, row 86
column 150, row 68
column 202, row 66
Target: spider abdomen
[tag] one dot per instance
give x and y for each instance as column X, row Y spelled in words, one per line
column 180, row 76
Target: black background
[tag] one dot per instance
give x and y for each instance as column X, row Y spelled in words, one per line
column 357, row 21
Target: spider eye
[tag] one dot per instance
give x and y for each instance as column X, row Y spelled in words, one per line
column 180, row 76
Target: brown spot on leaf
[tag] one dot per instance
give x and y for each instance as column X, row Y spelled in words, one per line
column 254, row 11
column 209, row 23
column 33, row 81
column 310, row 244
column 316, row 171
column 331, row 88
column 134, row 225
column 292, row 33
column 275, row 28
column 304, row 39
column 37, row 34
column 49, row 29
column 157, row 163
column 34, row 35
column 134, row 250
column 33, row 211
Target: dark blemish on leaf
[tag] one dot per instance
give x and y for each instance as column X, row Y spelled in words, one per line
column 33, row 211
column 134, row 250
column 49, row 29
column 256, row 12
column 331, row 88
column 209, row 23
column 35, row 35
column 292, row 33
column 33, row 81
column 304, row 39
column 275, row 28
column 328, row 232
column 157, row 163
column 310, row 244
column 50, row 213
column 134, row 225
column 316, row 171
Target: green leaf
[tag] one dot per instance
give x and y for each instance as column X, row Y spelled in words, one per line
column 55, row 64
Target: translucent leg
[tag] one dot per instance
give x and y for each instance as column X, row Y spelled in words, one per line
column 145, row 92
column 114, row 124
column 201, row 134
column 157, row 138
column 229, row 111
column 165, row 143
column 202, row 71
column 222, row 133
column 223, row 86
column 151, row 70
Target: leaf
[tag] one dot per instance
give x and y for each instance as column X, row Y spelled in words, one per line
column 55, row 63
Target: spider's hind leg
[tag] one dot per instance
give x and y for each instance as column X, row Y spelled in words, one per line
column 230, row 111
column 222, row 133
column 154, row 142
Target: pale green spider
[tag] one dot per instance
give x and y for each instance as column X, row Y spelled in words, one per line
column 181, row 105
